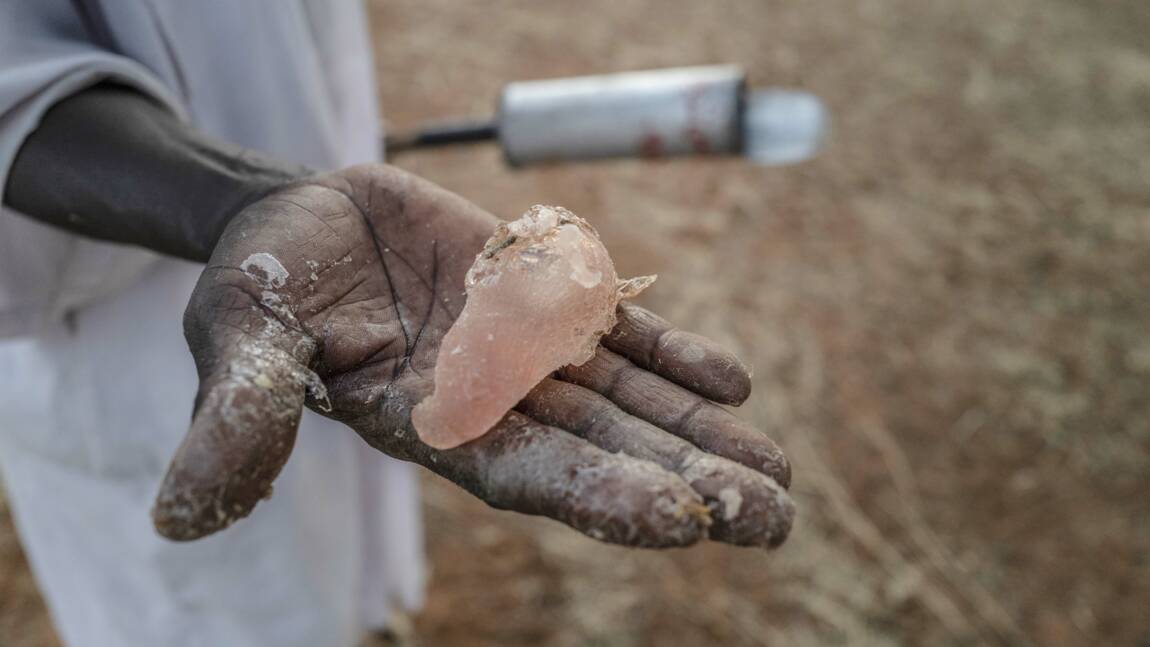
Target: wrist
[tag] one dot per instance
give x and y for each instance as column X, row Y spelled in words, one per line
column 236, row 178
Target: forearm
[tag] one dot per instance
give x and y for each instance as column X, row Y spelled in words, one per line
column 111, row 164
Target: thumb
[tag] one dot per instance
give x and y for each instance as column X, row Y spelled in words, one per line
column 253, row 384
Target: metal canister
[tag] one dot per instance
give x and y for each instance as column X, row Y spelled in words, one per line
column 680, row 111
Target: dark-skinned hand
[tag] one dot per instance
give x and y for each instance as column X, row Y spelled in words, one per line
column 334, row 293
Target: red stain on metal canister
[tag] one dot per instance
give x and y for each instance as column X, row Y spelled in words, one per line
column 699, row 141
column 651, row 145
column 695, row 137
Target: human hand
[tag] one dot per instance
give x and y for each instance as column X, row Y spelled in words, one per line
column 335, row 291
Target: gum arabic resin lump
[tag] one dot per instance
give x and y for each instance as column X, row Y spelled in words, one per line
column 539, row 296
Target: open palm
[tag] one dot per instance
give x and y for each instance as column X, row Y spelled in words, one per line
column 335, row 293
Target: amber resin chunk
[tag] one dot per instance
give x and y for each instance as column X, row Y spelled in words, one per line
column 539, row 296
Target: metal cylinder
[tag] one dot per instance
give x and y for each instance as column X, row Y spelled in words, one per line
column 689, row 110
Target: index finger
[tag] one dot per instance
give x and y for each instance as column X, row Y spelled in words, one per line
column 685, row 358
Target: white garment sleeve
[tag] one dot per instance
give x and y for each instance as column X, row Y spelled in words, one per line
column 47, row 53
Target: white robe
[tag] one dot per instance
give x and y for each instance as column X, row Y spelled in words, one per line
column 96, row 383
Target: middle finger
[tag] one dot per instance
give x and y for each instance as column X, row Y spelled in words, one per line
column 679, row 411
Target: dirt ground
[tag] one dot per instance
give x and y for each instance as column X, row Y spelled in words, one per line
column 946, row 313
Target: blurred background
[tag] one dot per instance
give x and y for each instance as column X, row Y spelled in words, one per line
column 947, row 313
